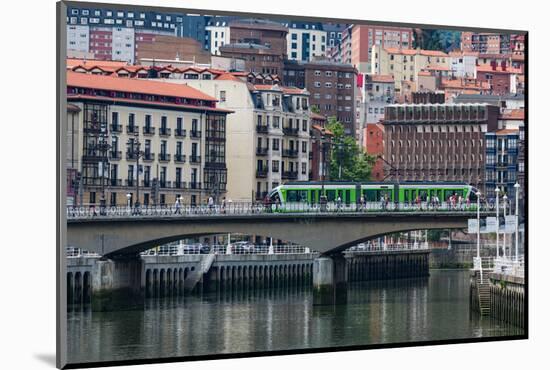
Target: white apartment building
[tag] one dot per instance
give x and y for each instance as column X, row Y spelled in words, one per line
column 306, row 44
column 78, row 38
column 219, row 36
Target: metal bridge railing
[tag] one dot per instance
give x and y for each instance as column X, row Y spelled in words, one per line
column 236, row 248
column 233, row 208
column 376, row 248
column 73, row 252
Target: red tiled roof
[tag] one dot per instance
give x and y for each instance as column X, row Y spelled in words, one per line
column 429, row 53
column 424, row 73
column 228, row 77
column 266, row 87
column 320, row 128
column 146, row 102
column 507, row 131
column 135, row 85
column 294, row 91
column 433, row 53
column 461, row 83
column 381, row 78
column 487, row 68
column 513, row 114
column 317, row 116
column 435, row 67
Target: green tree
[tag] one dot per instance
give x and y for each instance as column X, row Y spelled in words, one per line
column 347, row 161
column 429, row 39
column 315, row 109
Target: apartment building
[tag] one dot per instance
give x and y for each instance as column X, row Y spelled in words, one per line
column 268, row 135
column 178, row 132
column 306, row 41
column 438, row 142
column 404, row 64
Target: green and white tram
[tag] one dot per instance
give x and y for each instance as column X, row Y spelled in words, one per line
column 295, row 195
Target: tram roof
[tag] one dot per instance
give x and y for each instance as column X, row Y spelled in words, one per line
column 374, row 183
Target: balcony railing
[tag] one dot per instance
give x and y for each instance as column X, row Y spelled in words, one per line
column 115, row 155
column 291, row 131
column 180, row 133
column 148, row 157
column 130, row 182
column 261, row 151
column 148, row 130
column 179, row 184
column 116, row 128
column 195, row 159
column 164, row 157
column 164, row 184
column 115, row 182
column 292, row 153
column 179, row 158
column 195, row 185
column 131, row 156
column 290, row 175
column 146, row 183
column 195, row 134
column 164, row 131
column 132, row 129
column 261, row 172
column 261, row 129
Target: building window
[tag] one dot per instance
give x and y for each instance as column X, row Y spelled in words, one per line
column 304, row 146
column 304, row 168
column 274, row 166
column 222, row 96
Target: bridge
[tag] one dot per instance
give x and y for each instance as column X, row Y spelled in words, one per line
column 124, row 231
column 121, row 233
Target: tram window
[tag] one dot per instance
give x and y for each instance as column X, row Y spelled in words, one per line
column 423, row 195
column 406, row 193
column 370, row 195
column 348, row 197
column 331, row 195
column 448, row 194
column 297, row 195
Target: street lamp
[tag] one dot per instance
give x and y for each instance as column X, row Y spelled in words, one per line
column 129, row 197
column 134, row 151
column 516, row 187
column 497, row 191
column 505, row 199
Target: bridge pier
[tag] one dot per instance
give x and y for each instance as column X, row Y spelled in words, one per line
column 330, row 280
column 117, row 284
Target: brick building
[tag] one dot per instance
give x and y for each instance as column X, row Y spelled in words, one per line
column 438, row 142
column 373, row 144
column 331, row 85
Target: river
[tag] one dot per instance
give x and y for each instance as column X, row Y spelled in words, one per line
column 236, row 321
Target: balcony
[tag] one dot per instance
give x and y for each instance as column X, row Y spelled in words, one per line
column 180, row 133
column 290, row 131
column 164, row 157
column 261, row 129
column 148, row 157
column 130, row 182
column 164, row 184
column 179, row 184
column 195, row 185
column 116, row 128
column 131, row 156
column 289, row 175
column 115, row 155
column 290, row 153
column 163, row 131
column 148, row 130
column 115, row 182
column 179, row 158
column 146, row 183
column 132, row 129
column 196, row 159
column 261, row 173
column 195, row 134
column 261, row 151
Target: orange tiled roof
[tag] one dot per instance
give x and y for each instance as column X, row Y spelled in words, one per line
column 294, row 91
column 517, row 114
column 429, row 53
column 317, row 116
column 228, row 77
column 498, row 69
column 460, row 83
column 424, row 73
column 320, row 128
column 435, row 67
column 381, row 78
column 135, row 85
column 507, row 131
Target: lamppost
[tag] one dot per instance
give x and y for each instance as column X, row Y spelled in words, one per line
column 103, row 147
column 129, row 198
column 134, row 151
column 322, row 147
column 497, row 192
column 505, row 199
column 516, row 187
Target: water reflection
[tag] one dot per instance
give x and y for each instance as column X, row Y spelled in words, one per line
column 246, row 320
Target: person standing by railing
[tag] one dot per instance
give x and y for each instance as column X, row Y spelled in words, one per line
column 177, row 205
